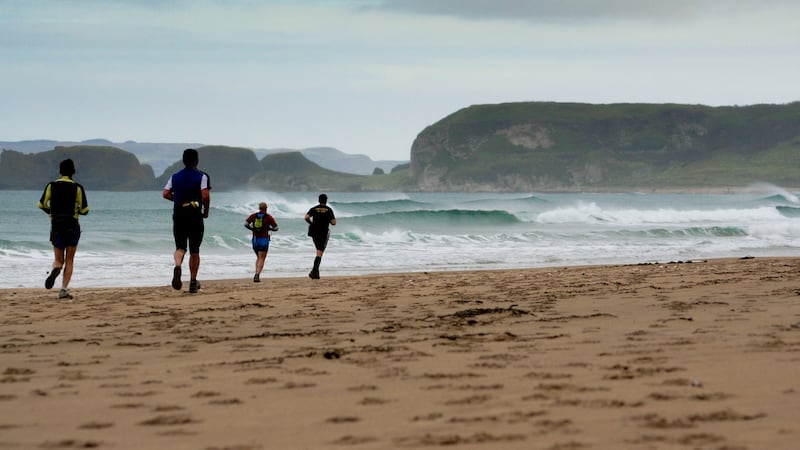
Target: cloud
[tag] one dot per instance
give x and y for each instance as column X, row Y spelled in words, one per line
column 367, row 75
column 575, row 10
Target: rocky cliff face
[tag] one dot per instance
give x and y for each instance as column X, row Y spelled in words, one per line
column 550, row 146
column 528, row 138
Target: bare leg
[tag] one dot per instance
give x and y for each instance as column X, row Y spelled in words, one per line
column 262, row 256
column 67, row 264
column 176, row 272
column 179, row 256
column 55, row 271
column 58, row 262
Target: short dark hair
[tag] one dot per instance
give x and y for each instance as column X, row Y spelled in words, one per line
column 323, row 198
column 67, row 167
column 190, row 157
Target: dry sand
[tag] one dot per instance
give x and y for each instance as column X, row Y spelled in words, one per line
column 701, row 355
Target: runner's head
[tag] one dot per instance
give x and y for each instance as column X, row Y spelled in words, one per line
column 323, row 199
column 190, row 157
column 67, row 168
column 262, row 206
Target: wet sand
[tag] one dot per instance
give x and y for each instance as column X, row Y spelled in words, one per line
column 700, row 355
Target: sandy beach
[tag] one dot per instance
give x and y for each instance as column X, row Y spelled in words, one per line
column 689, row 355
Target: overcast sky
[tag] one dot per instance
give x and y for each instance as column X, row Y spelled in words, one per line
column 366, row 76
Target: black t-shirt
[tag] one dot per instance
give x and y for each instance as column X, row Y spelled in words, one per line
column 321, row 216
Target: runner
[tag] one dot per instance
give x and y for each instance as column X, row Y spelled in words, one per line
column 64, row 200
column 188, row 189
column 260, row 223
column 319, row 218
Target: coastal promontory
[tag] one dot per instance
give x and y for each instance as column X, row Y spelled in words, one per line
column 534, row 146
column 101, row 167
column 509, row 147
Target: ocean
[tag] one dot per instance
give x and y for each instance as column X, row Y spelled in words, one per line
column 127, row 237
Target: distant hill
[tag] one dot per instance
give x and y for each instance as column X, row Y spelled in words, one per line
column 511, row 147
column 230, row 168
column 161, row 155
column 236, row 168
column 576, row 146
column 331, row 158
column 102, row 168
column 292, row 171
column 157, row 155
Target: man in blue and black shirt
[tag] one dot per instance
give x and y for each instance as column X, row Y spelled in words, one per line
column 188, row 189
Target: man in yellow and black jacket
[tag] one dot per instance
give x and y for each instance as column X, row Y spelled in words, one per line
column 64, row 200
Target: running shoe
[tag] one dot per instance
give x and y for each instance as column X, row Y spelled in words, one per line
column 194, row 286
column 64, row 294
column 176, row 278
column 51, row 279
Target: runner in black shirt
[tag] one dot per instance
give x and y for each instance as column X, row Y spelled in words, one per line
column 319, row 218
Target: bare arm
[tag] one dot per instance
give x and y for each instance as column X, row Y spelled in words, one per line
column 206, row 199
column 167, row 194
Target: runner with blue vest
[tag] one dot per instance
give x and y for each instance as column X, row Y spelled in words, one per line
column 188, row 190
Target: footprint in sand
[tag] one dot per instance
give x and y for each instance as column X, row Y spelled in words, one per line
column 225, row 401
column 205, row 394
column 295, row 385
column 354, row 440
column 168, row 408
column 472, row 400
column 428, row 417
column 267, row 380
column 654, row 420
column 369, row 401
column 96, row 425
column 168, row 420
column 343, row 419
column 70, row 443
column 362, row 388
column 458, row 440
column 129, row 406
column 137, row 394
